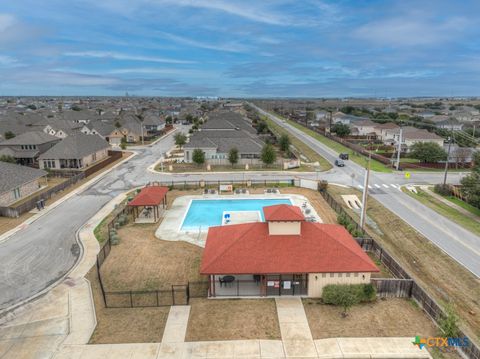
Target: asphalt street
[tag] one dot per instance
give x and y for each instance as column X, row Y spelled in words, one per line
column 460, row 244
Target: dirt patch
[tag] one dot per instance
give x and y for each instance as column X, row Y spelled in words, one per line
column 232, row 319
column 434, row 270
column 143, row 262
column 125, row 325
column 392, row 317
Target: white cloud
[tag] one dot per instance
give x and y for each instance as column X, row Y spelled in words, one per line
column 7, row 60
column 120, row 56
column 6, row 21
column 230, row 47
column 410, row 30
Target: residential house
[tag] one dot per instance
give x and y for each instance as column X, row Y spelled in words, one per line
column 18, row 182
column 346, row 119
column 412, row 135
column 386, row 131
column 364, row 127
column 75, row 152
column 26, row 147
column 153, row 123
column 222, row 132
column 100, row 128
column 285, row 255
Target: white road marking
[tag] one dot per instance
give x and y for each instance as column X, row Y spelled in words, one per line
column 384, row 185
column 393, row 185
column 360, row 186
column 369, row 186
column 376, row 185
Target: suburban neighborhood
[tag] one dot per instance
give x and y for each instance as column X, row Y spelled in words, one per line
column 225, row 179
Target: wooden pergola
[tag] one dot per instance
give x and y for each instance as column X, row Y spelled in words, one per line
column 149, row 197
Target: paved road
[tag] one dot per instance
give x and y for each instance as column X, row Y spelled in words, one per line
column 460, row 244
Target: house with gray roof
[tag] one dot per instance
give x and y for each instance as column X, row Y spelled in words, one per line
column 28, row 146
column 18, row 182
column 75, row 152
column 218, row 135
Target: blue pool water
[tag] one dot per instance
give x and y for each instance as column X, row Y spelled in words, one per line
column 208, row 212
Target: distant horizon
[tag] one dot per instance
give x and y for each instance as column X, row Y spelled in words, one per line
column 254, row 49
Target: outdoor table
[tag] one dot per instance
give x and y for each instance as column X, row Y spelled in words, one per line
column 227, row 279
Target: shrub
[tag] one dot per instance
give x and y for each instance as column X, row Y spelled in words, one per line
column 443, row 190
column 116, row 225
column 347, row 295
column 115, row 239
column 449, row 322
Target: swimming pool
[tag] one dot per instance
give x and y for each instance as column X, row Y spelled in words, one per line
column 204, row 213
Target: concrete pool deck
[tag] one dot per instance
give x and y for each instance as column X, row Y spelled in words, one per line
column 170, row 228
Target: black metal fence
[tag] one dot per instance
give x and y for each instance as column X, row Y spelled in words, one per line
column 427, row 303
column 187, row 185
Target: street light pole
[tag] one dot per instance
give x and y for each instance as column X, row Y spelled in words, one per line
column 399, row 148
column 448, row 156
column 363, row 214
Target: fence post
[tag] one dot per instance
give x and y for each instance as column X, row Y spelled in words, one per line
column 173, row 296
column 157, row 298
column 131, row 300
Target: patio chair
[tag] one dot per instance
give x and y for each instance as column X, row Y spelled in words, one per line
column 244, row 191
column 237, row 191
column 269, row 190
column 205, row 191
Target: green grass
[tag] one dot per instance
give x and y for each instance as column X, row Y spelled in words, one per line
column 99, row 231
column 299, row 145
column 464, row 205
column 446, row 211
column 338, row 147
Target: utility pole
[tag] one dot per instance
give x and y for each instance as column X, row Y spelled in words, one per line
column 448, row 156
column 363, row 214
column 399, row 148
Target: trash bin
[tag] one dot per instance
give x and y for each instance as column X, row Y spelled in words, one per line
column 39, row 205
column 42, row 203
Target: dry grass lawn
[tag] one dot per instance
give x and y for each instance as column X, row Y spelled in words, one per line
column 143, row 262
column 392, row 317
column 232, row 319
column 434, row 270
column 125, row 325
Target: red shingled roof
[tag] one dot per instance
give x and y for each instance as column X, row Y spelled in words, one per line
column 149, row 196
column 283, row 212
column 249, row 249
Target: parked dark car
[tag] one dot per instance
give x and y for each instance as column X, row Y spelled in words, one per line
column 343, row 156
column 339, row 163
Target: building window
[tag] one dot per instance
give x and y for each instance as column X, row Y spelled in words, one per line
column 348, row 275
column 94, row 156
column 340, row 275
column 324, row 275
column 332, row 275
column 16, row 192
column 355, row 274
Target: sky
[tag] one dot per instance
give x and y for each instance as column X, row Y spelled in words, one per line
column 261, row 48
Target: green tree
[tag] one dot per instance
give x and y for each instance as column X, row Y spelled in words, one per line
column 428, row 152
column 233, row 156
column 180, row 139
column 9, row 159
column 169, row 120
column 117, row 124
column 198, row 156
column 9, row 135
column 341, row 129
column 284, row 143
column 123, row 145
column 471, row 183
column 268, row 154
column 261, row 127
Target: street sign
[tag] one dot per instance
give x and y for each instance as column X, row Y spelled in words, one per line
column 407, row 175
